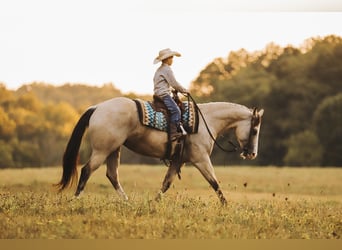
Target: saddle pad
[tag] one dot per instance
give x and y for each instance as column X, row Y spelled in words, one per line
column 158, row 120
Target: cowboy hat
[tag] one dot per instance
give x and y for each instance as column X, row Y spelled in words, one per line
column 165, row 53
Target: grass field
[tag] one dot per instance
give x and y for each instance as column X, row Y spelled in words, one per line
column 268, row 203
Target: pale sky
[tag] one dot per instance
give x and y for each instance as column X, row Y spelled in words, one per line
column 102, row 41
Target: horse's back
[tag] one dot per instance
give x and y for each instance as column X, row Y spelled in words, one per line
column 116, row 104
column 114, row 111
column 113, row 119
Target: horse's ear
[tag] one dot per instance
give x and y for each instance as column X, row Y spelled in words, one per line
column 255, row 111
column 261, row 112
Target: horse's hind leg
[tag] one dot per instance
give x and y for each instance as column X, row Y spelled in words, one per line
column 94, row 163
column 113, row 161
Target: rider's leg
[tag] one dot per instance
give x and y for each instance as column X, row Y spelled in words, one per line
column 175, row 117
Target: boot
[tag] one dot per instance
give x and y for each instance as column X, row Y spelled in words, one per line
column 174, row 134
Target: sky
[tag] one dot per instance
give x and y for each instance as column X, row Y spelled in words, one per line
column 97, row 42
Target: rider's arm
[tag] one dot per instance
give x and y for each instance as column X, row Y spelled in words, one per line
column 170, row 78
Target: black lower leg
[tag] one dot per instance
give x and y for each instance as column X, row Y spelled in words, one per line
column 167, row 182
column 85, row 174
column 218, row 191
column 166, row 186
column 169, row 177
column 221, row 197
column 113, row 180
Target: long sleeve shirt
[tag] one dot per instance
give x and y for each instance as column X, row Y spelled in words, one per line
column 163, row 81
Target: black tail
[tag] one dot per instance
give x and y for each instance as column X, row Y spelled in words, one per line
column 71, row 152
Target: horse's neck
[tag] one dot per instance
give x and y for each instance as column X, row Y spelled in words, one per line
column 224, row 115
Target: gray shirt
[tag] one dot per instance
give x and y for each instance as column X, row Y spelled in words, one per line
column 163, row 81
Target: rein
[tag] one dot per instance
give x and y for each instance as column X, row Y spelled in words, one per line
column 211, row 135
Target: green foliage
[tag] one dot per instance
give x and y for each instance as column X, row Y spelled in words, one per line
column 328, row 127
column 304, row 149
column 27, row 154
column 289, row 84
column 6, row 157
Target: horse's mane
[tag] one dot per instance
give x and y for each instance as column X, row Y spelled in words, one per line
column 232, row 104
column 238, row 105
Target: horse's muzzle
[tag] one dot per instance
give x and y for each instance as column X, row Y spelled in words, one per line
column 247, row 155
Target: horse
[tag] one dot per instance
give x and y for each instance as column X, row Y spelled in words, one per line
column 115, row 122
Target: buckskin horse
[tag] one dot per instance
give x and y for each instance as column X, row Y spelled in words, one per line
column 115, row 122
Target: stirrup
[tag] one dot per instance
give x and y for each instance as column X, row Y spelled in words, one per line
column 176, row 136
column 182, row 129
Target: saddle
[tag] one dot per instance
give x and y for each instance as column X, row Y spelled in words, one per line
column 155, row 115
column 159, row 106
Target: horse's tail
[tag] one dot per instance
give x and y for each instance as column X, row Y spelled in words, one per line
column 71, row 152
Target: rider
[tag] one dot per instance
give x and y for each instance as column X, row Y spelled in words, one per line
column 164, row 80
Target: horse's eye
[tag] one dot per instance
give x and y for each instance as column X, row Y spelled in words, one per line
column 254, row 131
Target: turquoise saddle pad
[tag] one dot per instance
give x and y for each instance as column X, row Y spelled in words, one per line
column 156, row 119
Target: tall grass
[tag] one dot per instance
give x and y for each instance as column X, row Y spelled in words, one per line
column 267, row 203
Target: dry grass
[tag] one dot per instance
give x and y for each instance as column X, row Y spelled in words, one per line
column 271, row 203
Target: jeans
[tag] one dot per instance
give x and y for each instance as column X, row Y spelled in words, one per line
column 173, row 109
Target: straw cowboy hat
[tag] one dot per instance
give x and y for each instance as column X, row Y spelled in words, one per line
column 165, row 53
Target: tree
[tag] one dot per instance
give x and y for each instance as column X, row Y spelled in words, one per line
column 289, row 83
column 6, row 158
column 328, row 126
column 6, row 96
column 7, row 126
column 29, row 101
column 303, row 149
column 328, row 66
column 60, row 120
column 27, row 154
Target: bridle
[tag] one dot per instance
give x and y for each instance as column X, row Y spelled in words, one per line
column 255, row 120
column 252, row 131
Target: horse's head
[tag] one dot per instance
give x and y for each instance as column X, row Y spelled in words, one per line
column 247, row 133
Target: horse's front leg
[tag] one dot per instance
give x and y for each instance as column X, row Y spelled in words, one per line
column 169, row 177
column 207, row 170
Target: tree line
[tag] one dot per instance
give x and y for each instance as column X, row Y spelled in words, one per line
column 36, row 122
column 299, row 88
